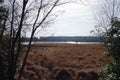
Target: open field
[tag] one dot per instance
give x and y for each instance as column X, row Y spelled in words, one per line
column 47, row 60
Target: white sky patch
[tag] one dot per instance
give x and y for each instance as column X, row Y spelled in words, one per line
column 76, row 21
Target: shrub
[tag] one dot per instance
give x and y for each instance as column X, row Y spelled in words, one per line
column 112, row 41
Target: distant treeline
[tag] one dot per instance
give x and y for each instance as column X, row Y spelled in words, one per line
column 67, row 39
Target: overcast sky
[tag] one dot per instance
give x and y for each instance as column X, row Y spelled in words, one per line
column 76, row 21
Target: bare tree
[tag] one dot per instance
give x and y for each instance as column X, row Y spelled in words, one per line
column 21, row 16
column 108, row 26
column 104, row 12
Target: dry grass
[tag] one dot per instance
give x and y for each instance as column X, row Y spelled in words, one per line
column 46, row 58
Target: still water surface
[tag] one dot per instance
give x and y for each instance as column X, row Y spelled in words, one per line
column 26, row 43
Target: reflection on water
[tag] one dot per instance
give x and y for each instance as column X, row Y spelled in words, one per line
column 26, row 43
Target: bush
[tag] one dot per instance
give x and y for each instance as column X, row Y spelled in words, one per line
column 112, row 41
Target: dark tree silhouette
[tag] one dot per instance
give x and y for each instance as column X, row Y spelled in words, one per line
column 21, row 16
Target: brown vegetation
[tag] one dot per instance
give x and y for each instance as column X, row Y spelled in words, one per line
column 75, row 61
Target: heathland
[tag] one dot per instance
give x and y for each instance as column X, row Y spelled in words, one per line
column 46, row 61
